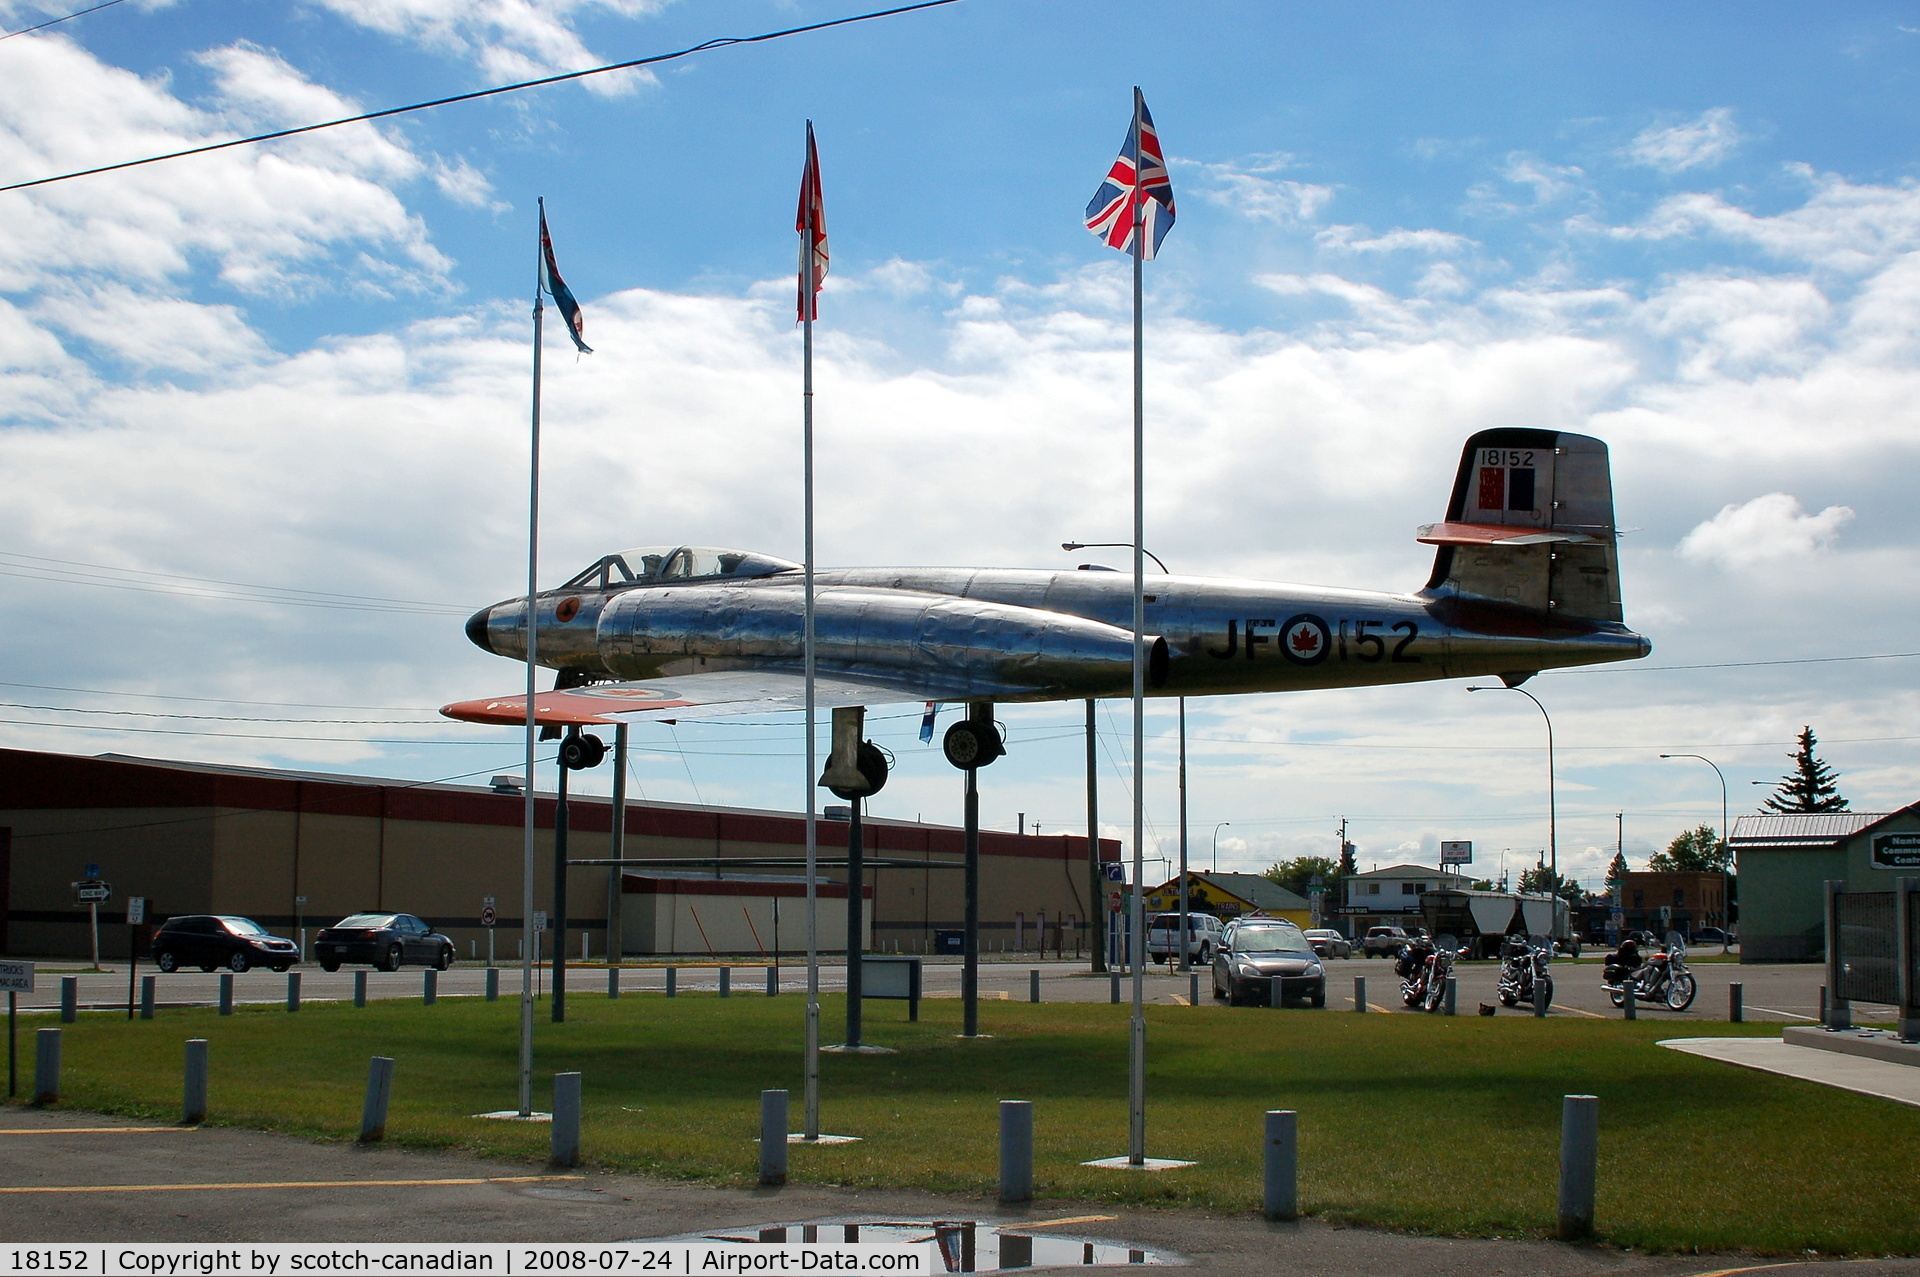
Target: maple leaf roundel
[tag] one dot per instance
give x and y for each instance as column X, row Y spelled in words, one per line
column 1304, row 639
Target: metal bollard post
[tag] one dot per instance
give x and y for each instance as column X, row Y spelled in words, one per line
column 373, row 1115
column 69, row 998
column 46, row 1066
column 1113, row 988
column 1276, row 992
column 226, row 994
column 1282, row 1197
column 493, row 984
column 429, row 987
column 566, row 1120
column 1579, row 1154
column 1539, row 999
column 1736, row 998
column 293, row 990
column 672, row 981
column 1033, row 985
column 146, row 997
column 1359, row 993
column 726, row 982
column 1193, row 988
column 1823, row 1004
column 773, row 1138
column 193, row 1108
column 1627, row 1007
column 1450, row 996
column 613, row 983
column 1016, row 1152
column 773, row 982
column 360, row 988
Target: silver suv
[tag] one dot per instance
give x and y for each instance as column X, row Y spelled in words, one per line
column 1203, row 937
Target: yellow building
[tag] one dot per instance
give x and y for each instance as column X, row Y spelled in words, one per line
column 1227, row 896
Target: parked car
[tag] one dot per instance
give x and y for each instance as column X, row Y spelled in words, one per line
column 1328, row 943
column 386, row 940
column 1384, row 942
column 1203, row 937
column 1255, row 953
column 207, row 941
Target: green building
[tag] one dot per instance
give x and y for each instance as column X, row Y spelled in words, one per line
column 1784, row 863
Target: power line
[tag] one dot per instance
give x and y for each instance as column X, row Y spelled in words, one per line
column 717, row 43
column 151, row 582
column 200, row 700
column 228, row 718
column 54, row 22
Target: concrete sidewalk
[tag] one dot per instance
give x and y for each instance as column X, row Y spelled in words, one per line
column 1897, row 1082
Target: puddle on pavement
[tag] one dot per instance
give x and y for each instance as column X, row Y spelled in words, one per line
column 966, row 1245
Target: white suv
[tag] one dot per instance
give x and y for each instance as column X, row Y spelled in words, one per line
column 1203, row 937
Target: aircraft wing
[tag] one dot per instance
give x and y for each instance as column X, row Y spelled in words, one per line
column 710, row 695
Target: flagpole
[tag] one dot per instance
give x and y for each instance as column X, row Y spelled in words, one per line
column 1137, row 1035
column 533, row 586
column 812, row 1128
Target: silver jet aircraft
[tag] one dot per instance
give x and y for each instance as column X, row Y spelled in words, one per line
column 1526, row 578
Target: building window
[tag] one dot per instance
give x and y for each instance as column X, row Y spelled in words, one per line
column 1639, row 900
column 1373, row 888
column 1679, row 898
column 1409, row 889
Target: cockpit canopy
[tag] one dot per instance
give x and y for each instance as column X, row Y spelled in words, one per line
column 660, row 564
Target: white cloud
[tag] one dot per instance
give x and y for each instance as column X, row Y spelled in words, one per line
column 1842, row 226
column 1357, row 239
column 1252, row 190
column 1698, row 143
column 507, row 39
column 1764, row 530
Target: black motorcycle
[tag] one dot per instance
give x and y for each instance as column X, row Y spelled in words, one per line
column 1523, row 969
column 1424, row 966
column 1660, row 980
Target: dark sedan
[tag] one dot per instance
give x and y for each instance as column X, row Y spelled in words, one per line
column 208, row 940
column 1253, row 955
column 385, row 940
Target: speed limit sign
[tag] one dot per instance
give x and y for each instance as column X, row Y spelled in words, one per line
column 487, row 916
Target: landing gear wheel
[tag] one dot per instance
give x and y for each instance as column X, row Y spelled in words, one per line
column 969, row 745
column 391, row 962
column 444, row 960
column 166, row 961
column 1680, row 993
column 238, row 963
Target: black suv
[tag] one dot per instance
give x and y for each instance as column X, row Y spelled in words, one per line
column 208, row 940
column 384, row 939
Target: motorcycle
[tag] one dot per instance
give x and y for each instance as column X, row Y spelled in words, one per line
column 1523, row 969
column 1662, row 979
column 1424, row 967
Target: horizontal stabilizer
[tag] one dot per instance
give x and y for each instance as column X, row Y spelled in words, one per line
column 1491, row 534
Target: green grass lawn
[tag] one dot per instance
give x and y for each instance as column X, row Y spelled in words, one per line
column 1411, row 1122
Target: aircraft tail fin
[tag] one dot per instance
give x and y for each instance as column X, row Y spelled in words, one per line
column 1530, row 525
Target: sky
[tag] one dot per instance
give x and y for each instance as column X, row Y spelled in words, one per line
column 263, row 413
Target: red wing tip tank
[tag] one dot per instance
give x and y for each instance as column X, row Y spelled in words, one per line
column 1525, row 578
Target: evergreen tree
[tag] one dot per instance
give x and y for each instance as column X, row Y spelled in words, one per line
column 1696, row 851
column 1811, row 786
column 1348, row 863
column 1618, row 868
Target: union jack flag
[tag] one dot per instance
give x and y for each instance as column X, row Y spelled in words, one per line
column 811, row 222
column 1111, row 214
column 562, row 295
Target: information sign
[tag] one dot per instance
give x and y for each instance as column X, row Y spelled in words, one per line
column 539, row 919
column 1896, row 851
column 1115, row 871
column 487, row 916
column 136, row 910
column 93, row 893
column 1456, row 853
column 15, row 976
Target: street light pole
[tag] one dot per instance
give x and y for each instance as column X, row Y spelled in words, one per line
column 1553, row 807
column 1725, row 904
column 1216, row 844
column 1185, row 924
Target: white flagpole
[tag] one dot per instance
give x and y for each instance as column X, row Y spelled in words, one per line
column 812, row 1130
column 533, row 586
column 1137, row 1036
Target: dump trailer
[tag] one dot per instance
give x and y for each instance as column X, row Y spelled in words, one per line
column 1481, row 919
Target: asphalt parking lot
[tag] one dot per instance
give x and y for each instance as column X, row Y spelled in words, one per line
column 73, row 1177
column 1786, row 993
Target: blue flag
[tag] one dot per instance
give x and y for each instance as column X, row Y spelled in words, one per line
column 557, row 288
column 926, row 724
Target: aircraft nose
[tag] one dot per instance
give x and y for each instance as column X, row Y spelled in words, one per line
column 477, row 629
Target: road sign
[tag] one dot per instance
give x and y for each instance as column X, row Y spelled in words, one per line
column 539, row 919
column 92, row 893
column 1113, row 905
column 487, row 916
column 136, row 910
column 488, row 901
column 93, row 869
column 300, row 901
column 1116, row 872
column 16, row 977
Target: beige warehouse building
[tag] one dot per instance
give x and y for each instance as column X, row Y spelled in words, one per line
column 198, row 838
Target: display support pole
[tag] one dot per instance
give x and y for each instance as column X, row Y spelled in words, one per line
column 856, row 923
column 1186, row 924
column 13, row 1043
column 1136, row 946
column 970, row 937
column 616, row 939
column 560, row 823
column 1096, row 877
column 93, row 916
column 527, row 935
column 812, row 1063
